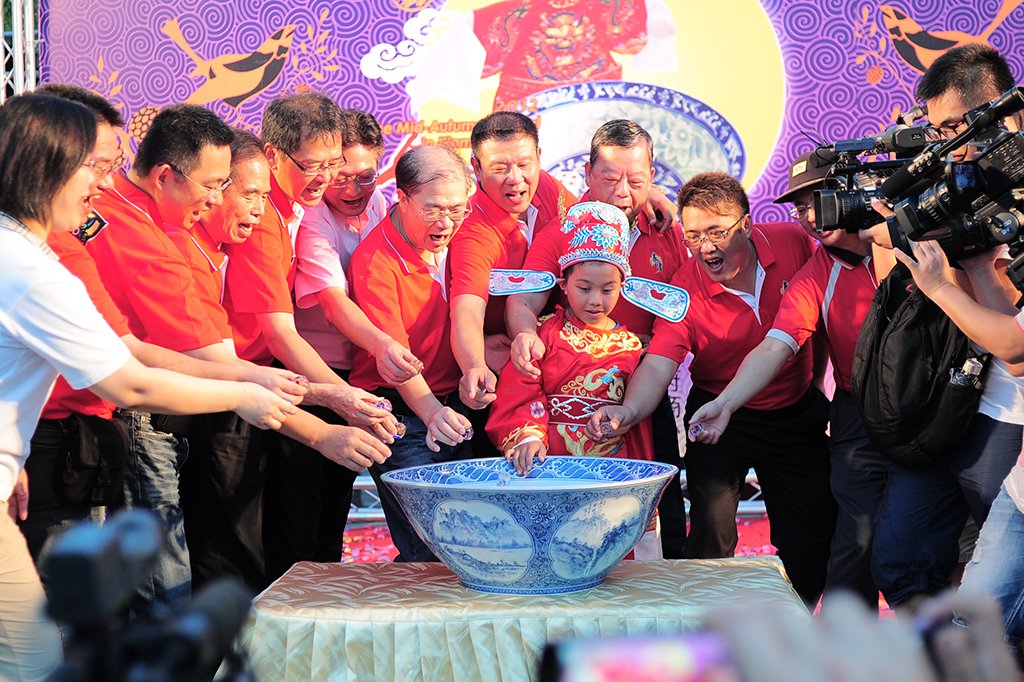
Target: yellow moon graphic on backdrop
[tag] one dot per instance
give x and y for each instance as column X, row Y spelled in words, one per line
column 728, row 59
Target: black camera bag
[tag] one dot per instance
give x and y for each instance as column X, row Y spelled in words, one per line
column 901, row 380
column 96, row 456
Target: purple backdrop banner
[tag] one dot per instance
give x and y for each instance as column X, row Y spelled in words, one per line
column 728, row 87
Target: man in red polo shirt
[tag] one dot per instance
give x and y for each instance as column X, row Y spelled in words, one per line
column 736, row 280
column 222, row 483
column 832, row 292
column 620, row 172
column 397, row 277
column 515, row 202
column 179, row 172
column 181, row 167
column 515, row 199
column 303, row 138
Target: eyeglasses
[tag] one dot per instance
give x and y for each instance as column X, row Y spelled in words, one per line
column 799, row 211
column 211, row 194
column 364, row 180
column 332, row 167
column 433, row 215
column 712, row 236
column 104, row 170
column 945, row 131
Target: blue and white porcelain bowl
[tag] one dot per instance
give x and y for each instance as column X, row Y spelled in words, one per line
column 560, row 528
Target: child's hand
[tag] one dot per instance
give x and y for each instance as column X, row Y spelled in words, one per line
column 449, row 427
column 521, row 456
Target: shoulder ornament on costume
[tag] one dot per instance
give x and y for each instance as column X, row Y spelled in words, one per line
column 506, row 282
column 663, row 300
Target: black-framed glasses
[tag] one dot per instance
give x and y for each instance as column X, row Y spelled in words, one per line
column 435, row 214
column 946, row 131
column 211, row 194
column 799, row 211
column 331, row 167
column 363, row 180
column 716, row 236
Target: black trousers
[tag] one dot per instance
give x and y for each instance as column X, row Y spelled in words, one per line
column 859, row 474
column 306, row 501
column 221, row 487
column 49, row 516
column 788, row 449
column 481, row 444
column 671, row 509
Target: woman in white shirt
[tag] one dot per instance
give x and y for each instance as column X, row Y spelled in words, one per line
column 48, row 325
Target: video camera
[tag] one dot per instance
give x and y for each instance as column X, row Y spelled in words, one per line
column 92, row 573
column 967, row 206
column 848, row 207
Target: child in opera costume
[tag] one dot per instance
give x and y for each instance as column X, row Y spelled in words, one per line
column 589, row 358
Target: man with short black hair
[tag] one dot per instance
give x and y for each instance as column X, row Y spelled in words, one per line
column 515, row 199
column 515, row 202
column 181, row 170
column 832, row 293
column 303, row 138
column 331, row 322
column 962, row 79
column 736, row 280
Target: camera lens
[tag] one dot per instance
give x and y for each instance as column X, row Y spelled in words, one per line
column 848, row 210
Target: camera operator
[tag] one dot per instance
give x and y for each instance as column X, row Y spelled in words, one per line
column 832, row 291
column 924, row 510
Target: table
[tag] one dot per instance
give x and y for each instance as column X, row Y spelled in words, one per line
column 406, row 622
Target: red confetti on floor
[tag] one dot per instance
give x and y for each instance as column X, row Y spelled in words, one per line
column 372, row 544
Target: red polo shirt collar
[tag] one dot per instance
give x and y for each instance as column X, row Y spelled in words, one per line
column 137, row 197
column 285, row 206
column 207, row 244
column 411, row 261
column 492, row 213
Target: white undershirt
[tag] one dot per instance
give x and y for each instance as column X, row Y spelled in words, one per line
column 754, row 299
column 530, row 225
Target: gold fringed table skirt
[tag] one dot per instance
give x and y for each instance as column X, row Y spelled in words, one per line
column 415, row 622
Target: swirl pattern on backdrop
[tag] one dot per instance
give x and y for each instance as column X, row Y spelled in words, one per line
column 151, row 70
column 821, row 44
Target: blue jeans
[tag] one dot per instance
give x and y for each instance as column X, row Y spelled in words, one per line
column 151, row 482
column 997, row 567
column 923, row 511
column 412, row 451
